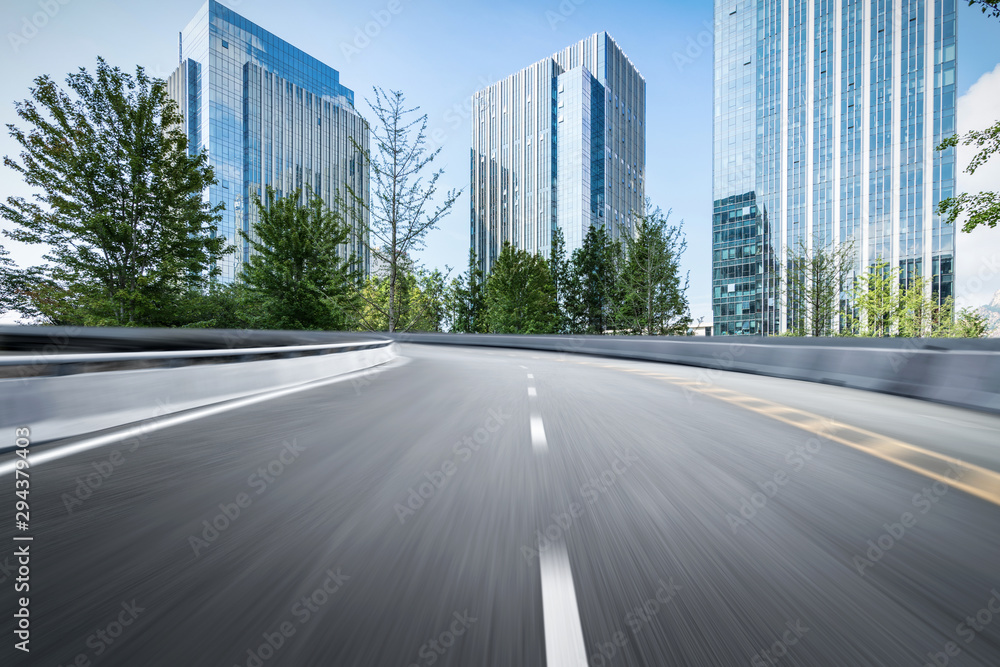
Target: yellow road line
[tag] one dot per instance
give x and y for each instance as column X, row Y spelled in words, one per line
column 980, row 482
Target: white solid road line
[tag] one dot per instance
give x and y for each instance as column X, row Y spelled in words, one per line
column 141, row 429
column 564, row 645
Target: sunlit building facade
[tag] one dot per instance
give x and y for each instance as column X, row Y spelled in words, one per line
column 562, row 143
column 826, row 117
column 268, row 114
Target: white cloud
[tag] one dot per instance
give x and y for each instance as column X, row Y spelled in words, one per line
column 978, row 253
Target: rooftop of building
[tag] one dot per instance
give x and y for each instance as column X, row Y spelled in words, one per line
column 260, row 54
column 555, row 55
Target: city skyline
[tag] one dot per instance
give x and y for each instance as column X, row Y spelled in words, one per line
column 673, row 43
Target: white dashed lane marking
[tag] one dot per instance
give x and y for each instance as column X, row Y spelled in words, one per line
column 564, row 645
column 538, row 441
column 538, row 434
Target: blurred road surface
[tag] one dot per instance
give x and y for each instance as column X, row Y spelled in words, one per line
column 495, row 507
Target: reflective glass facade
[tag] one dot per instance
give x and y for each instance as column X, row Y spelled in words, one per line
column 560, row 143
column 826, row 117
column 268, row 115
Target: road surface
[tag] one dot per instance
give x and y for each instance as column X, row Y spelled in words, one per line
column 496, row 507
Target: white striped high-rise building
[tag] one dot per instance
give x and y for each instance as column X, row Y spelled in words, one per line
column 562, row 143
column 827, row 114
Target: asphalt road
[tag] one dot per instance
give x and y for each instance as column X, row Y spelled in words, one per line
column 494, row 507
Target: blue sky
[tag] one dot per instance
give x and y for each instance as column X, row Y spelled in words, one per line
column 438, row 53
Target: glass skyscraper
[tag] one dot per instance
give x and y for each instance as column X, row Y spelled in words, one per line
column 268, row 115
column 827, row 113
column 560, row 143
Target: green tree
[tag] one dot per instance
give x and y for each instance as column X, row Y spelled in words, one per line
column 13, row 286
column 815, row 280
column 592, row 282
column 419, row 298
column 373, row 315
column 886, row 307
column 981, row 208
column 296, row 267
column 922, row 314
column 875, row 296
column 225, row 306
column 989, row 7
column 401, row 209
column 466, row 300
column 520, row 294
column 652, row 299
column 561, row 271
column 428, row 310
column 119, row 198
column 970, row 324
column 916, row 314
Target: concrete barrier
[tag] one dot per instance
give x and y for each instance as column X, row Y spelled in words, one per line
column 58, row 403
column 961, row 372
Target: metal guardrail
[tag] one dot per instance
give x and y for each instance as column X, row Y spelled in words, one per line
column 961, row 372
column 51, row 379
column 568, row 342
column 41, row 351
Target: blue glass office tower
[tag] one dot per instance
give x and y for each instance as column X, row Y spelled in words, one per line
column 827, row 113
column 268, row 115
column 562, row 143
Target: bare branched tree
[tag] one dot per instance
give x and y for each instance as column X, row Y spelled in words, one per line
column 815, row 283
column 404, row 188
